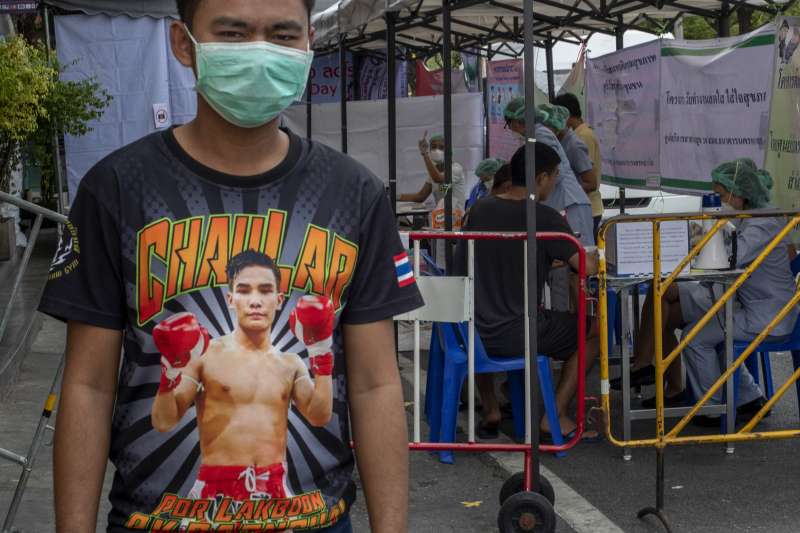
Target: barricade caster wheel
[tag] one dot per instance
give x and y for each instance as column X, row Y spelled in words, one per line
column 516, row 484
column 527, row 512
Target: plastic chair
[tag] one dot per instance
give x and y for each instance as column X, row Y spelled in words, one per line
column 763, row 351
column 447, row 371
column 762, row 354
column 613, row 312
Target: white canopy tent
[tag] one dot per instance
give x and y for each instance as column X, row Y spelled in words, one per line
column 477, row 23
column 137, row 8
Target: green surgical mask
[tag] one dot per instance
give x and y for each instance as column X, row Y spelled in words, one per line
column 249, row 84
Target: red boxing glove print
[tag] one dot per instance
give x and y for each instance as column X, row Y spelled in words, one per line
column 179, row 338
column 311, row 321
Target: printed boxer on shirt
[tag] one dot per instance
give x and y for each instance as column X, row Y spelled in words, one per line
column 242, row 386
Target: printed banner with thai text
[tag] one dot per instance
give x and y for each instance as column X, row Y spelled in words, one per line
column 622, row 107
column 668, row 112
column 715, row 101
column 783, row 146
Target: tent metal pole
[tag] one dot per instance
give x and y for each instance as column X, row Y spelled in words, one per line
column 487, row 108
column 534, row 481
column 551, row 75
column 343, row 89
column 724, row 21
column 391, row 66
column 448, row 129
column 620, row 34
column 391, row 106
column 308, row 105
column 56, row 142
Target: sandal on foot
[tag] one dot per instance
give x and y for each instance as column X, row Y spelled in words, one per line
column 545, row 437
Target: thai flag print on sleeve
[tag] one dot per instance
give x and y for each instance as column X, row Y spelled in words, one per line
column 405, row 276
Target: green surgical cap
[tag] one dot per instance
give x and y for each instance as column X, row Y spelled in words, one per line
column 488, row 167
column 556, row 116
column 515, row 110
column 744, row 179
column 437, row 138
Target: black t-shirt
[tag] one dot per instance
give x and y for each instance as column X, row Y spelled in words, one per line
column 500, row 269
column 151, row 233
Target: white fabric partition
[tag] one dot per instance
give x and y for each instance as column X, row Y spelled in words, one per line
column 367, row 138
column 666, row 113
column 131, row 59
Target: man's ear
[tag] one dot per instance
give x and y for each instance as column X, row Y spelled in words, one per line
column 281, row 299
column 229, row 297
column 312, row 35
column 182, row 46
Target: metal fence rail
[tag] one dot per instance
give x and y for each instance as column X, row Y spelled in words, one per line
column 662, row 438
column 529, row 482
column 27, row 461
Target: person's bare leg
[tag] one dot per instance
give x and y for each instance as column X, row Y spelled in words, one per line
column 644, row 344
column 490, row 412
column 644, row 347
column 568, row 382
column 673, row 319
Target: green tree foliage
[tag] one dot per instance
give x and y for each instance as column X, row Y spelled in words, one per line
column 695, row 27
column 25, row 81
column 698, row 28
column 39, row 107
column 69, row 106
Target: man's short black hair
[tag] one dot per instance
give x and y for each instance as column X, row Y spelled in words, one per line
column 570, row 101
column 547, row 160
column 502, row 176
column 250, row 258
column 187, row 9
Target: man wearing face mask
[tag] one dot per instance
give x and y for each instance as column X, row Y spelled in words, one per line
column 433, row 157
column 145, row 265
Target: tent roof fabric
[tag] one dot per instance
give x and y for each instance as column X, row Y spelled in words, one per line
column 474, row 22
column 136, row 8
column 477, row 22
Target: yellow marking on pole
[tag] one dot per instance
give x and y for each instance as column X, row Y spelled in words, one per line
column 657, row 330
column 50, row 404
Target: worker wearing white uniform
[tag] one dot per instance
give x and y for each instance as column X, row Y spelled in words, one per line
column 433, row 157
column 568, row 196
column 742, row 186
